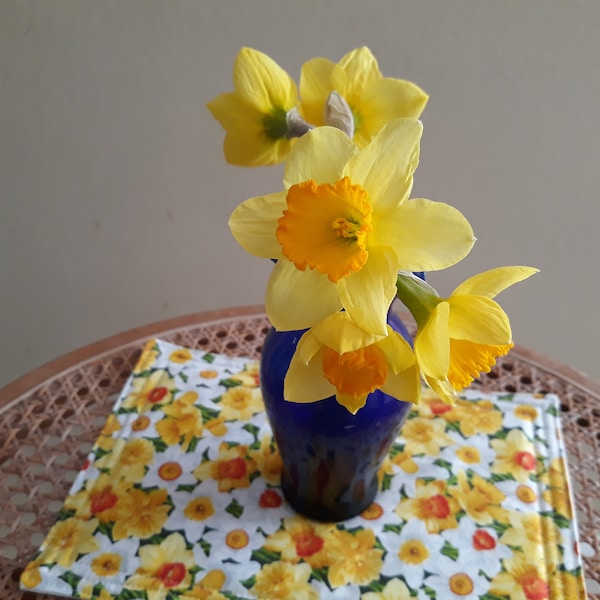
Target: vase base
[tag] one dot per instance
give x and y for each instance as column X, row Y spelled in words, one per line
column 334, row 511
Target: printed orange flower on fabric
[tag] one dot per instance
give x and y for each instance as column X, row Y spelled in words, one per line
column 99, row 498
column 304, row 540
column 164, row 567
column 231, row 469
column 432, row 505
column 148, row 392
column 515, row 455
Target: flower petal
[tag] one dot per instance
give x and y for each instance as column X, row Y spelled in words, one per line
column 492, row 282
column 299, row 299
column 253, row 224
column 305, row 382
column 319, row 155
column 397, row 351
column 432, row 344
column 387, row 99
column 354, row 73
column 443, row 389
column 405, row 385
column 426, row 235
column 385, row 167
column 249, row 147
column 260, row 81
column 367, row 294
column 315, row 87
column 340, row 333
column 478, row 319
column 231, row 111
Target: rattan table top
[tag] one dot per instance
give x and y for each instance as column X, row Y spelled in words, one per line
column 50, row 418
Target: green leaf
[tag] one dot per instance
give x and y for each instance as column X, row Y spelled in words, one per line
column 230, row 382
column 235, row 508
column 320, row 575
column 183, row 377
column 252, row 429
column 450, row 551
column 64, row 514
column 159, row 444
column 500, row 528
column 386, row 484
column 209, row 413
column 127, row 594
column 264, row 556
column 105, row 529
column 497, row 477
column 70, row 578
column 453, row 426
column 189, row 488
column 209, row 358
column 205, row 546
column 394, row 528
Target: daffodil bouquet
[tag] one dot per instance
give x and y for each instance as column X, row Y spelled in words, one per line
column 348, row 239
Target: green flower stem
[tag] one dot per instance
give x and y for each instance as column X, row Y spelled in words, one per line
column 419, row 297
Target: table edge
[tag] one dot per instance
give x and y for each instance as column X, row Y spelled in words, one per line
column 34, row 378
column 49, row 370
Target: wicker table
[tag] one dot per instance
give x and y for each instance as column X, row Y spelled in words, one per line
column 50, row 418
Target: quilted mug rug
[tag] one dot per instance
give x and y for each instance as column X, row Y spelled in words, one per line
column 179, row 499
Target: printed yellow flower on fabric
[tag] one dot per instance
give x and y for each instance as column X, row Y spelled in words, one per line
column 255, row 115
column 344, row 226
column 163, row 567
column 281, row 580
column 67, row 539
column 336, row 357
column 355, row 558
column 460, row 336
column 371, row 99
column 480, row 499
column 141, row 514
column 523, row 578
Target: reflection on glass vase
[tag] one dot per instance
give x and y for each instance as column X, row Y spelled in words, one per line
column 331, row 458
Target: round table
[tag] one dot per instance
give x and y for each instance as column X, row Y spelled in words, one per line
column 50, row 418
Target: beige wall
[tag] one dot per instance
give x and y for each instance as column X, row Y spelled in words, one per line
column 115, row 195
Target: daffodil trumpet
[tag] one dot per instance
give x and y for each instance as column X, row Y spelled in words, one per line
column 460, row 337
column 344, row 226
column 338, row 358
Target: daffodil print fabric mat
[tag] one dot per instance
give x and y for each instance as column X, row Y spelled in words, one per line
column 180, row 499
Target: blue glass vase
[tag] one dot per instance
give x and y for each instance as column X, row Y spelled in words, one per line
column 331, row 458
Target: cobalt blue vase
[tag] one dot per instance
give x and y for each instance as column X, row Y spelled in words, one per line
column 331, row 458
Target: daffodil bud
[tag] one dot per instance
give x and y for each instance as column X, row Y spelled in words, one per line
column 338, row 114
column 296, row 125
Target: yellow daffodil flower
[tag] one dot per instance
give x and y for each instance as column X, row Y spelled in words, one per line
column 460, row 336
column 255, row 116
column 357, row 85
column 344, row 226
column 337, row 357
